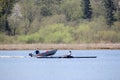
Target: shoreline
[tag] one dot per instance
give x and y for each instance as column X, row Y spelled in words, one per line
column 85, row 46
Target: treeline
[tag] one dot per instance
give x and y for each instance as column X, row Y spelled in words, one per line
column 59, row 21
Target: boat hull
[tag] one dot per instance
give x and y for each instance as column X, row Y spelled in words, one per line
column 44, row 54
column 69, row 57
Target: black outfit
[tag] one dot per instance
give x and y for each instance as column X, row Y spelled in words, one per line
column 37, row 52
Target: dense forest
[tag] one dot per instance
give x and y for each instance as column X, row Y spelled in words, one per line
column 59, row 21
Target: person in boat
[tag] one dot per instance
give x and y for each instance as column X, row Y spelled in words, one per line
column 68, row 55
column 37, row 51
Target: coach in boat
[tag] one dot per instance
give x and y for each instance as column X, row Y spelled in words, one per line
column 37, row 51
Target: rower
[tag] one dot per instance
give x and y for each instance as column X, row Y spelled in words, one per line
column 70, row 53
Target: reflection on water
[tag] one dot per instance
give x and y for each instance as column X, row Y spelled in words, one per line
column 17, row 65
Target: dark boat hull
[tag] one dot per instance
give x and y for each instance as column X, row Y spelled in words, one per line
column 70, row 57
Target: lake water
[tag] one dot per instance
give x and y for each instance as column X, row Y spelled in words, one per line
column 22, row 67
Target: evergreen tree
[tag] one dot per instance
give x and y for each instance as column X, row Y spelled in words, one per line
column 5, row 10
column 109, row 11
column 86, row 8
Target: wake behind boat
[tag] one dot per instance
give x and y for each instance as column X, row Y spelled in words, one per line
column 44, row 54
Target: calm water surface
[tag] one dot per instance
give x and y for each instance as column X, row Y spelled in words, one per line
column 105, row 67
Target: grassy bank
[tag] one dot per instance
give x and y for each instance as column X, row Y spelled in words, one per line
column 59, row 46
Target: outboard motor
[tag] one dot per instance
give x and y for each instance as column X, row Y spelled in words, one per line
column 30, row 54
